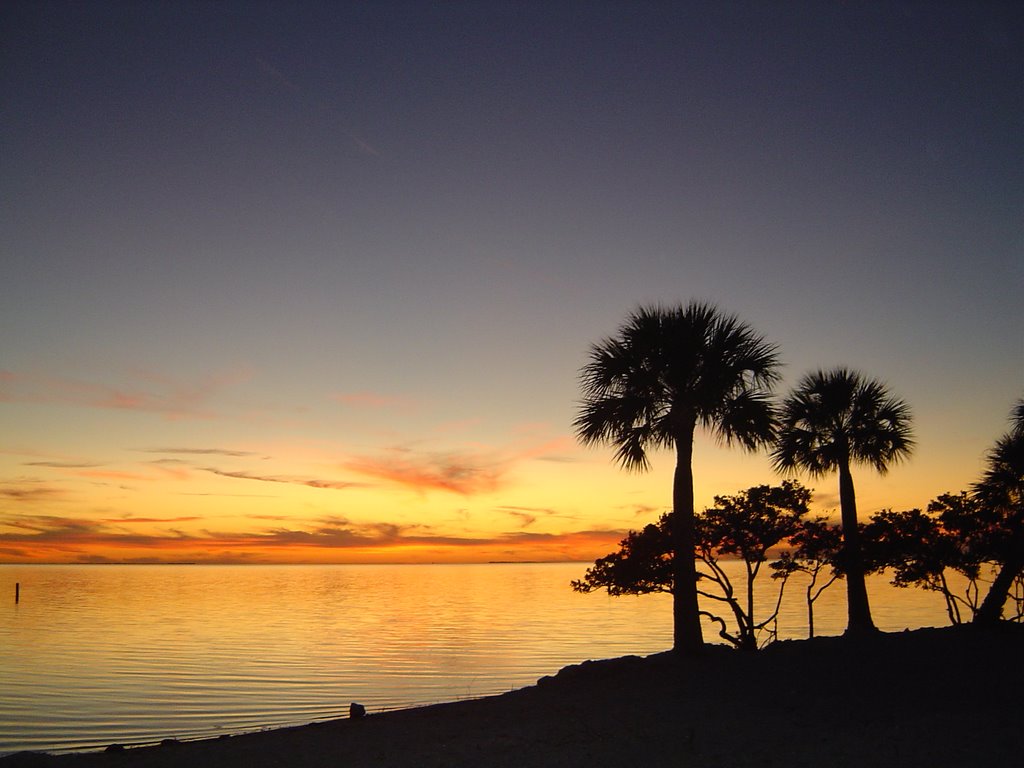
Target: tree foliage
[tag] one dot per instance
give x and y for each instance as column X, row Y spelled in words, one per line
column 919, row 547
column 1000, row 493
column 815, row 551
column 745, row 526
column 959, row 533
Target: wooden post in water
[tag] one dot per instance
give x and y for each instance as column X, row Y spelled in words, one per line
column 17, row 592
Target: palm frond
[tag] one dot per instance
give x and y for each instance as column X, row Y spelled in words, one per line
column 748, row 419
column 838, row 416
column 1002, row 484
column 668, row 369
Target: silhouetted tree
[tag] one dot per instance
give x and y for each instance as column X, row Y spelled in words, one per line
column 667, row 372
column 745, row 526
column 816, row 547
column 920, row 547
column 642, row 565
column 831, row 420
column 1000, row 493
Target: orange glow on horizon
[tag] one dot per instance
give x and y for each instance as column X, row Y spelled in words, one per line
column 72, row 541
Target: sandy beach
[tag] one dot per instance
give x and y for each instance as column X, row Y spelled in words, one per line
column 932, row 697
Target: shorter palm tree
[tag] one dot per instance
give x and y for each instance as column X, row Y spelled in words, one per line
column 831, row 420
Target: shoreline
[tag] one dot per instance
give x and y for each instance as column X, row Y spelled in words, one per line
column 948, row 696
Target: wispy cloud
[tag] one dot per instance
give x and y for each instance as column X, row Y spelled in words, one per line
column 202, row 452
column 149, row 393
column 530, row 510
column 277, row 76
column 375, row 400
column 107, row 539
column 462, row 474
column 112, row 474
column 459, row 425
column 828, row 500
column 559, row 459
column 62, row 464
column 549, row 450
column 230, row 495
column 525, row 518
column 644, row 510
column 136, row 520
column 29, row 490
column 310, row 482
column 528, row 515
column 477, row 470
column 46, row 527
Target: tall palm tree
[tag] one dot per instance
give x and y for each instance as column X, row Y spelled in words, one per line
column 667, row 371
column 1001, row 491
column 831, row 420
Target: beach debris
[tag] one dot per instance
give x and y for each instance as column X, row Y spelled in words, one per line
column 356, row 711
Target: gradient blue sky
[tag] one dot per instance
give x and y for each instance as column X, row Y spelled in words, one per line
column 325, row 273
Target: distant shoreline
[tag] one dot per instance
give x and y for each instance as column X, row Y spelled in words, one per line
column 308, row 565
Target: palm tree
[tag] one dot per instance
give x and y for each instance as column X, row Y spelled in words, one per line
column 831, row 420
column 667, row 371
column 1001, row 491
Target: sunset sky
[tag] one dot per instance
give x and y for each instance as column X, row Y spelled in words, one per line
column 313, row 282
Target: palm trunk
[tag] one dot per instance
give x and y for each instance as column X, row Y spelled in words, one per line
column 687, row 636
column 859, row 612
column 991, row 610
column 810, row 613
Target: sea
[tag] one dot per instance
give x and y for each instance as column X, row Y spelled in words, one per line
column 92, row 655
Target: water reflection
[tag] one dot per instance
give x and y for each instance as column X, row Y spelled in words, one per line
column 98, row 654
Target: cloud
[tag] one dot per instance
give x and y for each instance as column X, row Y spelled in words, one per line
column 276, row 75
column 643, row 510
column 201, row 452
column 99, row 540
column 533, row 510
column 288, row 84
column 232, row 495
column 29, row 491
column 62, row 464
column 361, row 144
column 455, row 473
column 110, row 474
column 49, row 527
column 528, row 515
column 374, row 400
column 527, row 519
column 826, row 500
column 149, row 519
column 309, row 482
column 465, row 473
column 550, row 450
column 458, row 425
column 151, row 393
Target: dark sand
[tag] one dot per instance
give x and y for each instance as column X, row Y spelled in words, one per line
column 947, row 697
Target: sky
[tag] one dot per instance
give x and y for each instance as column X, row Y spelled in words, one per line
column 313, row 282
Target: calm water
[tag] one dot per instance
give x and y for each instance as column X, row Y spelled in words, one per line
column 94, row 655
